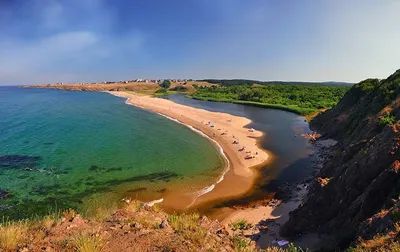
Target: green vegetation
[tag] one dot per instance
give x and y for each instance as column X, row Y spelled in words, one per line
column 187, row 226
column 179, row 88
column 162, row 91
column 301, row 99
column 184, row 221
column 387, row 120
column 240, row 225
column 241, row 245
column 236, row 82
column 165, row 84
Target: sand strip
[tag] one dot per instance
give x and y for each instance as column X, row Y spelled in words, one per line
column 240, row 144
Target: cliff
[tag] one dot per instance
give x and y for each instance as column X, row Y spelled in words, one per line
column 356, row 192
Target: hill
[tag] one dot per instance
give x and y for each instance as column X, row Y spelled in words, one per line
column 355, row 199
column 235, row 82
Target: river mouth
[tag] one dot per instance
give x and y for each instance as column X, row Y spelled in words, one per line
column 291, row 159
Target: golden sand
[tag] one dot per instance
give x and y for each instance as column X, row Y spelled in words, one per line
column 229, row 131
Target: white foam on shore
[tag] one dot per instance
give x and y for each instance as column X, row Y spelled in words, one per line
column 151, row 203
column 220, row 149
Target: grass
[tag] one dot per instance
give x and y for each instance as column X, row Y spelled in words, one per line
column 69, row 214
column 184, row 221
column 99, row 208
column 48, row 222
column 146, row 222
column 240, row 224
column 187, row 226
column 134, row 206
column 12, row 234
column 85, row 242
column 241, row 244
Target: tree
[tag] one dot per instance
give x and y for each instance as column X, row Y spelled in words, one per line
column 165, row 84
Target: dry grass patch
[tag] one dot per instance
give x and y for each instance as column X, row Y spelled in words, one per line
column 184, row 221
column 48, row 222
column 12, row 234
column 99, row 208
column 85, row 242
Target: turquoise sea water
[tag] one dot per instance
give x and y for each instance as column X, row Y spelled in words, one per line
column 58, row 148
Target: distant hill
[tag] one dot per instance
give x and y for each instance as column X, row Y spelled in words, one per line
column 235, row 82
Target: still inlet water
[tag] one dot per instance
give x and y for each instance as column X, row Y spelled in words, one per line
column 60, row 149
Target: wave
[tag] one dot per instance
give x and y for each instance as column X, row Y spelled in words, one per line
column 220, row 149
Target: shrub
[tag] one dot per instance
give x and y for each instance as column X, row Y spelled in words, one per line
column 162, row 91
column 240, row 224
column 179, row 89
column 387, row 120
column 165, row 84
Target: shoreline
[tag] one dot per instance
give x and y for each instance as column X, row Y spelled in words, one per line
column 239, row 172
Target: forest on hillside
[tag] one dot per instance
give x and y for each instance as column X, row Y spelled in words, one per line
column 301, row 99
column 235, row 82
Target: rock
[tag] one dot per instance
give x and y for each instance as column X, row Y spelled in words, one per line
column 71, row 226
column 164, row 224
column 4, row 194
column 77, row 220
column 138, row 225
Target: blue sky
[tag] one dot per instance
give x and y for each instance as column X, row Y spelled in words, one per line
column 45, row 41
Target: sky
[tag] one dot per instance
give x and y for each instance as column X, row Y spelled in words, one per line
column 47, row 41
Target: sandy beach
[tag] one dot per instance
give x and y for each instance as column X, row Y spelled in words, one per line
column 239, row 144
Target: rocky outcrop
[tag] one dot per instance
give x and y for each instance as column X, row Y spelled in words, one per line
column 361, row 176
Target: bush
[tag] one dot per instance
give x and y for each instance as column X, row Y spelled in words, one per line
column 165, row 84
column 179, row 89
column 240, row 225
column 388, row 120
column 162, row 91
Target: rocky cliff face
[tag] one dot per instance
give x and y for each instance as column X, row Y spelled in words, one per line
column 361, row 177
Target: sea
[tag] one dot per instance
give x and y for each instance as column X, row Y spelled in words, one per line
column 65, row 149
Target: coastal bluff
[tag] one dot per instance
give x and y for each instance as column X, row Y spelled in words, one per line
column 355, row 197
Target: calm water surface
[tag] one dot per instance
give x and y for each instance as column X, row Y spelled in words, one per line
column 60, row 149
